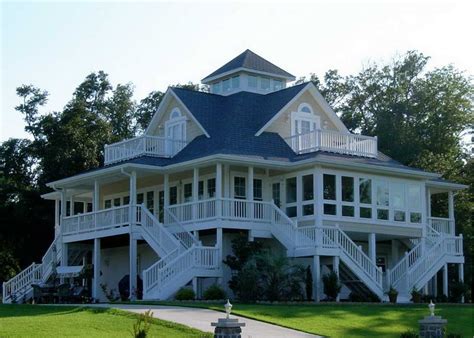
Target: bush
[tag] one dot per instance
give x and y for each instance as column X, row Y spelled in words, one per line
column 392, row 294
column 309, row 284
column 214, row 292
column 331, row 285
column 185, row 294
column 409, row 334
column 458, row 290
column 416, row 296
column 453, row 335
column 142, row 325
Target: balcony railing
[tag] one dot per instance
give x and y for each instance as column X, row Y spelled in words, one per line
column 442, row 225
column 142, row 145
column 332, row 141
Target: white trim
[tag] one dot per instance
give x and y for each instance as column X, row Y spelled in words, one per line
column 319, row 99
column 160, row 112
column 208, row 79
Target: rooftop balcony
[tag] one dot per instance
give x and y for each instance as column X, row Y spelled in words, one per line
column 142, row 145
column 332, row 141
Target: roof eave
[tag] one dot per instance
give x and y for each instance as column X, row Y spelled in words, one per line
column 208, row 79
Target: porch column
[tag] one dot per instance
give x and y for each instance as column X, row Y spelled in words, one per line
column 318, row 196
column 219, row 190
column 133, row 199
column 96, row 197
column 250, row 192
column 451, row 211
column 195, row 287
column 84, row 207
column 219, row 244
column 63, row 205
column 394, row 252
column 195, row 191
column 372, row 248
column 435, row 285
column 445, row 279
column 335, row 264
column 71, row 205
column 56, row 217
column 461, row 276
column 316, row 278
column 96, row 263
column 226, row 181
column 133, row 267
column 428, row 202
column 166, row 193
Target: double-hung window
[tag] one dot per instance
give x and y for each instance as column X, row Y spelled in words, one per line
column 308, row 195
column 414, row 203
column 329, row 194
column 347, row 195
column 382, row 199
column 365, row 197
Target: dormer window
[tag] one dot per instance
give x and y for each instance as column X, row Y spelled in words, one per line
column 175, row 131
column 277, row 84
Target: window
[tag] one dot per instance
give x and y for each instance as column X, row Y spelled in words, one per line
column 226, row 85
column 216, row 87
column 277, row 84
column 291, row 190
column 89, row 207
column 239, row 187
column 414, row 203
column 175, row 132
column 365, row 212
column 68, row 208
column 126, row 200
column 365, row 190
column 308, row 188
column 381, row 262
column 150, row 200
column 348, row 210
column 329, row 187
column 117, row 202
column 305, row 108
column 398, row 201
column 236, row 82
column 257, row 190
column 308, row 209
column 140, row 198
column 265, row 83
column 188, row 192
column 329, row 209
column 291, row 211
column 173, row 195
column 276, row 194
column 347, row 188
column 211, row 187
column 382, row 199
column 161, row 206
column 200, row 190
column 252, row 81
column 107, row 204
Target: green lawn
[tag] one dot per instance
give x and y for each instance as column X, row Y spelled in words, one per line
column 60, row 321
column 352, row 320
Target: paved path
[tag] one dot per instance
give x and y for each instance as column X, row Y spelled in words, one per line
column 201, row 319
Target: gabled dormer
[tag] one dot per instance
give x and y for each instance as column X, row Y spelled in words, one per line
column 247, row 72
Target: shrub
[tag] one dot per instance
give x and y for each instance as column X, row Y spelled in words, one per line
column 356, row 297
column 453, row 335
column 309, row 283
column 392, row 294
column 214, row 292
column 331, row 285
column 458, row 290
column 142, row 325
column 111, row 295
column 185, row 294
column 409, row 334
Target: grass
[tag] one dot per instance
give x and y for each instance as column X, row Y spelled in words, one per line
column 351, row 320
column 69, row 321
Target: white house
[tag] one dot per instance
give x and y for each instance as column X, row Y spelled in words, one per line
column 258, row 157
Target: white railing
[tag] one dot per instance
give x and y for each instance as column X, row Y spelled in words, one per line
column 333, row 141
column 184, row 236
column 194, row 211
column 442, row 225
column 35, row 273
column 97, row 220
column 254, row 211
column 142, row 145
column 163, row 238
column 162, row 273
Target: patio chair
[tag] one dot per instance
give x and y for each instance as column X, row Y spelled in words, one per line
column 64, row 293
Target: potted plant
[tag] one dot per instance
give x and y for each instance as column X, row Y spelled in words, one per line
column 416, row 296
column 392, row 295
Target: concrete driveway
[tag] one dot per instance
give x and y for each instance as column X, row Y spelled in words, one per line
column 201, row 319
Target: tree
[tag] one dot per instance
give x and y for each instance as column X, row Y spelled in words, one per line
column 147, row 108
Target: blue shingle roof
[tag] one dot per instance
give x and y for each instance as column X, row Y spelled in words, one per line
column 251, row 61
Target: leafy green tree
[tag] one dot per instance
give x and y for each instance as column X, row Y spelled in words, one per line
column 147, row 108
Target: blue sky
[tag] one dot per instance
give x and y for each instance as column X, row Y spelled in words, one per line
column 156, row 44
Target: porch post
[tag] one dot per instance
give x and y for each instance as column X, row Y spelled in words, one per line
column 451, row 211
column 316, row 278
column 166, row 193
column 133, row 199
column 219, row 244
column 372, row 247
column 226, row 181
column 461, row 276
column 96, row 262
column 95, row 201
column 63, row 205
column 428, row 202
column 318, row 196
column 195, row 191
column 445, row 279
column 56, row 217
column 133, row 267
column 250, row 212
column 219, row 190
column 71, row 205
column 336, row 270
column 394, row 252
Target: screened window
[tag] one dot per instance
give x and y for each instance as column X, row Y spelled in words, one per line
column 414, row 203
column 226, row 85
column 265, row 83
column 329, row 187
column 308, row 188
column 398, row 201
column 382, row 193
column 252, row 81
column 236, row 82
column 291, row 190
column 277, row 84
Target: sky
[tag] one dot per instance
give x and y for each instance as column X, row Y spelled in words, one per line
column 55, row 45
